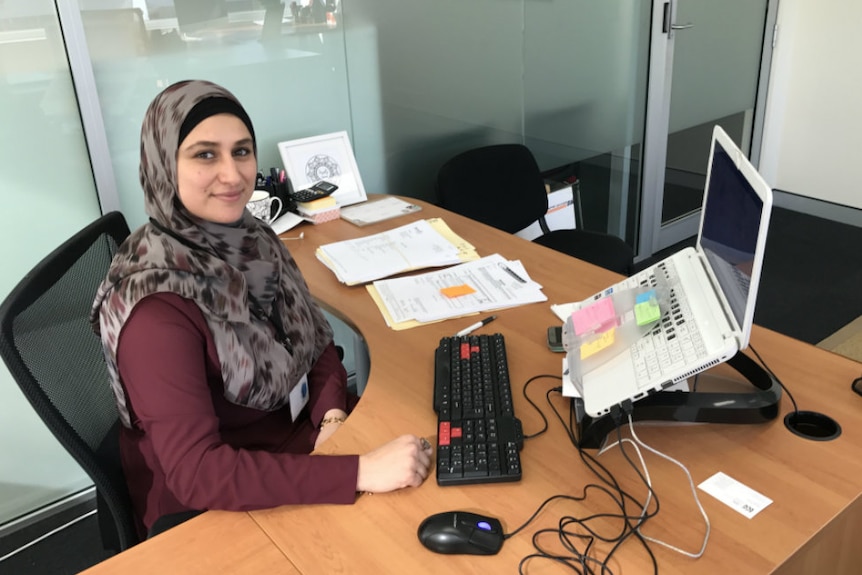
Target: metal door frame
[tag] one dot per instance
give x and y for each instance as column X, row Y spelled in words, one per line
column 652, row 235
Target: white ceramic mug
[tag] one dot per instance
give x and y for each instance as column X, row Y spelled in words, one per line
column 260, row 206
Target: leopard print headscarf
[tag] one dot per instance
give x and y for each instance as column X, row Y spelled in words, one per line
column 240, row 275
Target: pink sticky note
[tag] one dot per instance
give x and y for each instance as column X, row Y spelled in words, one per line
column 596, row 317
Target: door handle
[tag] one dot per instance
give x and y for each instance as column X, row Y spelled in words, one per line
column 668, row 27
column 678, row 27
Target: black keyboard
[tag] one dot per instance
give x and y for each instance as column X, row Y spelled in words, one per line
column 478, row 435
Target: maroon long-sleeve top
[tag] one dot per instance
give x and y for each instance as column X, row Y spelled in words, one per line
column 190, row 448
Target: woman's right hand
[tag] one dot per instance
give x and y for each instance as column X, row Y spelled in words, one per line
column 403, row 462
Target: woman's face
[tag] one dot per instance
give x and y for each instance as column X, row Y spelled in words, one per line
column 216, row 169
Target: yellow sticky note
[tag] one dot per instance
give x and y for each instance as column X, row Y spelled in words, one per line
column 457, row 291
column 598, row 344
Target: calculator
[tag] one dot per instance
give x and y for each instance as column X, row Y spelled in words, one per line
column 319, row 190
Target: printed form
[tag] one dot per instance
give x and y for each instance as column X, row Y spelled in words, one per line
column 486, row 284
column 421, row 244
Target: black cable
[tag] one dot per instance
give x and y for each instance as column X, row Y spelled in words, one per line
column 645, row 514
column 579, row 560
column 856, row 385
column 536, row 407
column 775, row 377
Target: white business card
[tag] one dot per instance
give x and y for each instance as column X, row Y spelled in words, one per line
column 735, row 495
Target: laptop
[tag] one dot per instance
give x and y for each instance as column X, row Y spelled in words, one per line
column 709, row 292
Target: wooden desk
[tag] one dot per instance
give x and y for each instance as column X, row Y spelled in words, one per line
column 815, row 486
column 215, row 542
column 810, row 527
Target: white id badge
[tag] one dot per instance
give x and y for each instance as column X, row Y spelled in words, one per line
column 298, row 397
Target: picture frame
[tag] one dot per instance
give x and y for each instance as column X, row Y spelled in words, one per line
column 326, row 157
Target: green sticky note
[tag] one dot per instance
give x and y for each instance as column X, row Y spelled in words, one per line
column 647, row 312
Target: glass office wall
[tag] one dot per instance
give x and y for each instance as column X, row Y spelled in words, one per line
column 708, row 68
column 412, row 82
column 47, row 193
column 287, row 69
column 585, row 86
column 715, row 81
column 565, row 77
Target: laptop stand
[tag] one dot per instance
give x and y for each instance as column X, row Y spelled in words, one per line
column 757, row 406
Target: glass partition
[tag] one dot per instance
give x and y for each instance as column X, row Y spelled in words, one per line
column 47, row 195
column 412, row 82
column 287, row 68
column 716, row 68
column 585, row 85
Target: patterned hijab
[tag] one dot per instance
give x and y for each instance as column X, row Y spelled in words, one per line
column 267, row 329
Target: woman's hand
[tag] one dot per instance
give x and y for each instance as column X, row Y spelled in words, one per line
column 403, row 462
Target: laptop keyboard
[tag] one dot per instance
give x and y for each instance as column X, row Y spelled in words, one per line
column 674, row 340
column 478, row 435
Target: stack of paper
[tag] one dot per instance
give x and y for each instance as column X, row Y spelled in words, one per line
column 486, row 284
column 377, row 210
column 421, row 244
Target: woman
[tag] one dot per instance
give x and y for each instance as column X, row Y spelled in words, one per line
column 223, row 367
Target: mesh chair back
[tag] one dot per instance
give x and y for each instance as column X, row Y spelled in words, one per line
column 498, row 185
column 56, row 359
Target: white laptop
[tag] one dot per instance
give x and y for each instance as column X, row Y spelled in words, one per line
column 713, row 289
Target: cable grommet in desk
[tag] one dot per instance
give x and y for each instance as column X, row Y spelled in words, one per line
column 812, row 425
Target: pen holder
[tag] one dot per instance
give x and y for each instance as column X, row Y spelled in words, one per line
column 282, row 191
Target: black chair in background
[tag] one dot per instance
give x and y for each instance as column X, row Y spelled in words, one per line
column 502, row 186
column 56, row 359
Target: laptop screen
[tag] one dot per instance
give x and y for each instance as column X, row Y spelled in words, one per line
column 733, row 229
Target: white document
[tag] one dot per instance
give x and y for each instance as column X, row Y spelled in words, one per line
column 486, row 284
column 285, row 222
column 377, row 211
column 413, row 246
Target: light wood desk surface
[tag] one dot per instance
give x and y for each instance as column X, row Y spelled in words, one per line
column 811, row 526
column 215, row 542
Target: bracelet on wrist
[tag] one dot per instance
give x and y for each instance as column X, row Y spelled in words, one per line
column 328, row 420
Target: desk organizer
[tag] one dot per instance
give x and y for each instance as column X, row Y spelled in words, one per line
column 602, row 329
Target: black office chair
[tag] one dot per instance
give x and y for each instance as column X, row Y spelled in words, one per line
column 502, row 186
column 56, row 359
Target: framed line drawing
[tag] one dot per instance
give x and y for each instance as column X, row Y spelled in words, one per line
column 326, row 157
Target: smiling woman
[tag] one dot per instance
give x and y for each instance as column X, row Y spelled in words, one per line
column 222, row 364
column 216, row 169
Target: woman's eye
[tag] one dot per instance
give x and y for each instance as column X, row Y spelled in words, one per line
column 205, row 155
column 242, row 152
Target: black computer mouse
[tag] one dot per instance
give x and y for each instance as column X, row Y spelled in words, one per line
column 461, row 532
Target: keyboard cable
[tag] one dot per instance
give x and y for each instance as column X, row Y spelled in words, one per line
column 536, row 407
